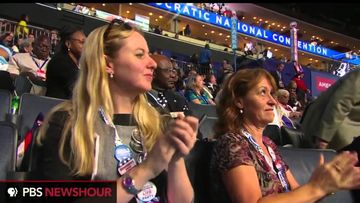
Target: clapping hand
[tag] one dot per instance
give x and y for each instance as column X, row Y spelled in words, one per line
column 182, row 134
column 339, row 173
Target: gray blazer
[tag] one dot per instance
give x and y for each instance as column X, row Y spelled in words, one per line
column 335, row 115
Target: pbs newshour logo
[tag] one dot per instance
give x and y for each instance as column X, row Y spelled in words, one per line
column 12, row 191
column 25, row 192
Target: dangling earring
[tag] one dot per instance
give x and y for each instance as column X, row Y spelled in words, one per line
column 68, row 49
column 111, row 75
column 241, row 111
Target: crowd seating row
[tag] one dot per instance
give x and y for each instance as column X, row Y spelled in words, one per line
column 301, row 161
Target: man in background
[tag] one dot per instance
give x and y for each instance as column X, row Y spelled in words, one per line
column 278, row 77
column 205, row 60
column 333, row 119
column 162, row 95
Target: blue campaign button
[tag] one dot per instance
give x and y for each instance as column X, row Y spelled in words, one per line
column 122, row 152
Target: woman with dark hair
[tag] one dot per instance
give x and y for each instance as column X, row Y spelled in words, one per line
column 249, row 165
column 62, row 70
column 6, row 41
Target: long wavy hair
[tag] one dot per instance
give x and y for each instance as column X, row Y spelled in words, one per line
column 91, row 92
column 237, row 86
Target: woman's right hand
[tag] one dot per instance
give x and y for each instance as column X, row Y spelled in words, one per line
column 339, row 173
column 160, row 155
column 180, row 137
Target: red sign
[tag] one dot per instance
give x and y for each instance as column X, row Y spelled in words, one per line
column 322, row 83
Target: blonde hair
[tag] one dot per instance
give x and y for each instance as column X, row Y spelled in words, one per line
column 191, row 82
column 282, row 92
column 91, row 92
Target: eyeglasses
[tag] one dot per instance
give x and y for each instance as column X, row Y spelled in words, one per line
column 168, row 70
column 119, row 22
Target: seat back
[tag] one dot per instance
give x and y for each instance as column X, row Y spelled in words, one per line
column 273, row 132
column 22, row 84
column 199, row 110
column 30, row 107
column 8, row 143
column 302, row 163
column 6, row 82
column 206, row 127
column 5, row 104
column 295, row 138
column 198, row 169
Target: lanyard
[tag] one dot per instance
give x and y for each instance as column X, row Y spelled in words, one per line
column 202, row 98
column 111, row 124
column 118, row 141
column 38, row 65
column 279, row 170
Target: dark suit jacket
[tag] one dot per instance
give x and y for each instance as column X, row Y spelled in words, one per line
column 174, row 101
column 276, row 77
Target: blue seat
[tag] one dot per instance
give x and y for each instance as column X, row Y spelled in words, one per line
column 199, row 110
column 6, row 81
column 5, row 103
column 22, row 84
column 198, row 168
column 302, row 163
column 30, row 107
column 206, row 127
column 8, row 143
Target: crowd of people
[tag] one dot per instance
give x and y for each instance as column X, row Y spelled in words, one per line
column 127, row 118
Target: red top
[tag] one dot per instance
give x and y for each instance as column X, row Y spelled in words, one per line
column 300, row 84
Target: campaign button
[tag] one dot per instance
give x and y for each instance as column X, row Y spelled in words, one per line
column 148, row 192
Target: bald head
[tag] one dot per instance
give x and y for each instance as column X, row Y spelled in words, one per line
column 164, row 76
column 161, row 61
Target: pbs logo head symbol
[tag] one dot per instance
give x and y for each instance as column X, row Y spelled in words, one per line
column 12, row 191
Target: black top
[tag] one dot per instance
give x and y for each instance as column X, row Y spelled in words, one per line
column 46, row 164
column 61, row 75
column 124, row 120
column 213, row 88
column 168, row 100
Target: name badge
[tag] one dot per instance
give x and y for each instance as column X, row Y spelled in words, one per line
column 148, row 192
column 122, row 169
column 40, row 73
column 278, row 165
column 123, row 153
column 176, row 114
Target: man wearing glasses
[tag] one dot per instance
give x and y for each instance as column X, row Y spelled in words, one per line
column 162, row 96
